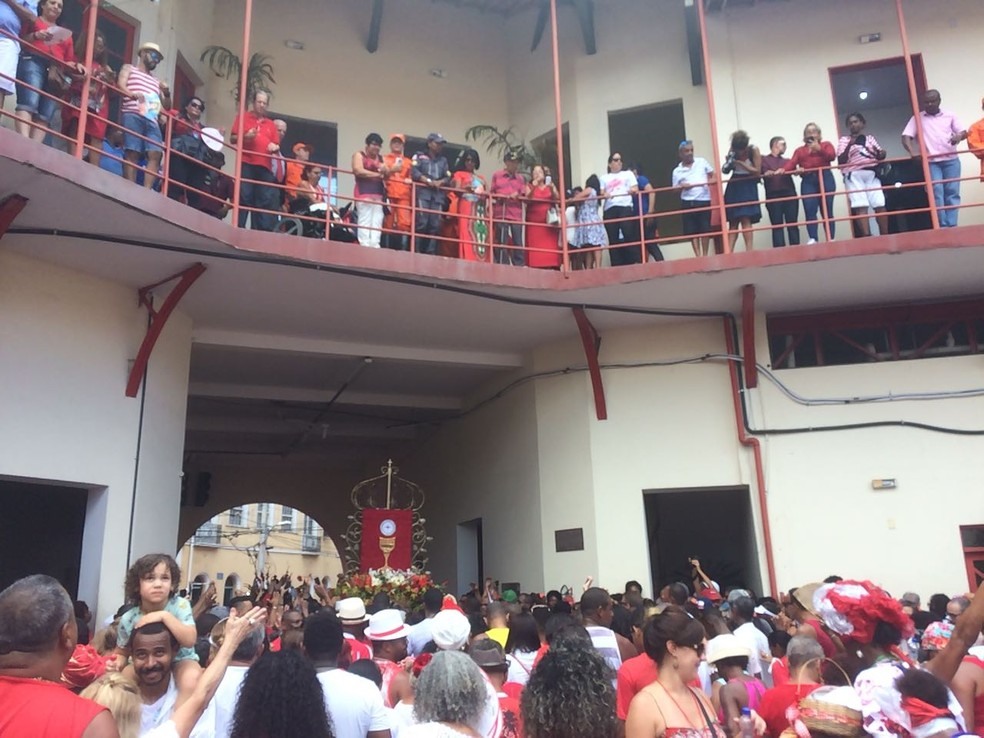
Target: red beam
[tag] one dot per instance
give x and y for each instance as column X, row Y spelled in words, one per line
column 10, row 208
column 748, row 335
column 592, row 342
column 158, row 319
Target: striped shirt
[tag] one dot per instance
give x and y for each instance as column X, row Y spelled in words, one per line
column 859, row 156
column 140, row 82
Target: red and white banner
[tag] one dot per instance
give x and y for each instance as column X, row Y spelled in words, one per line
column 387, row 539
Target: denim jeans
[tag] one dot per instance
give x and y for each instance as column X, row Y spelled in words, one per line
column 810, row 190
column 784, row 212
column 263, row 196
column 33, row 70
column 946, row 194
column 503, row 254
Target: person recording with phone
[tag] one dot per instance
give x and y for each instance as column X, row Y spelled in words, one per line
column 811, row 161
column 859, row 154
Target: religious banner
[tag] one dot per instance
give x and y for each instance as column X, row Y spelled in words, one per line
column 387, row 538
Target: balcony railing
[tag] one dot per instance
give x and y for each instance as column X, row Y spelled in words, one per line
column 209, row 534
column 192, row 172
column 311, row 543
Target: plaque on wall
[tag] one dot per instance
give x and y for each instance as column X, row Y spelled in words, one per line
column 569, row 539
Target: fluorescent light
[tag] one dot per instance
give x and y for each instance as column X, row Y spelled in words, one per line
column 295, row 45
column 863, row 94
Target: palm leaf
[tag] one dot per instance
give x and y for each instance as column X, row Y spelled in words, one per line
column 226, row 63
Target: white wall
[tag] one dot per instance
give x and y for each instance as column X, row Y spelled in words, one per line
column 66, row 341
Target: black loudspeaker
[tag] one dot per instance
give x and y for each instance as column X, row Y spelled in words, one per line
column 694, row 43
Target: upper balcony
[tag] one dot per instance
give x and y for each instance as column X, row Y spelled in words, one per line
column 360, row 67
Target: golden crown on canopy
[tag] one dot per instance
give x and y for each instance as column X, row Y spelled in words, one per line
column 392, row 492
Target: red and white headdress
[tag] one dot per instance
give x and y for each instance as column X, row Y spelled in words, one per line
column 853, row 608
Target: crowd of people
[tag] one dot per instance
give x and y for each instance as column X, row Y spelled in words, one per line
column 424, row 202
column 834, row 658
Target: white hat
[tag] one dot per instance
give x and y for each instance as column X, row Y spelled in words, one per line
column 727, row 646
column 450, row 630
column 351, row 610
column 387, row 625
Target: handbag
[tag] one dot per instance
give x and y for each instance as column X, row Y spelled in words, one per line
column 553, row 216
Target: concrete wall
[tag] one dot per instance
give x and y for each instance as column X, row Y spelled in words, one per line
column 66, row 341
column 485, row 466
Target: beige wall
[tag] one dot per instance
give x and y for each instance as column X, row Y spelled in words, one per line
column 66, row 343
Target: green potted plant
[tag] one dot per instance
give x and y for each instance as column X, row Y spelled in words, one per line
column 225, row 63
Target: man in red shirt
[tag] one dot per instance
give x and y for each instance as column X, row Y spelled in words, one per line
column 805, row 657
column 37, row 637
column 260, row 141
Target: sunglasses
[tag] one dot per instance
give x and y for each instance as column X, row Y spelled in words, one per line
column 196, row 104
column 697, row 648
column 616, row 158
column 154, row 56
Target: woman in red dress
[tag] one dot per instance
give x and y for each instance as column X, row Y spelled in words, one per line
column 95, row 122
column 542, row 245
column 473, row 226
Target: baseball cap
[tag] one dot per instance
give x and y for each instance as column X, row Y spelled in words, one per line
column 301, row 145
column 400, row 136
column 509, row 156
column 436, row 137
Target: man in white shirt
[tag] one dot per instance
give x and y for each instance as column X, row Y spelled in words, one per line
column 227, row 693
column 153, row 648
column 354, row 705
column 742, row 613
column 692, row 177
column 420, row 634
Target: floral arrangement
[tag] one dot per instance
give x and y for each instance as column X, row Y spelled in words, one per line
column 405, row 587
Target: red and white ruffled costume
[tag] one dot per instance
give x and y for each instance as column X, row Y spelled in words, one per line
column 852, row 609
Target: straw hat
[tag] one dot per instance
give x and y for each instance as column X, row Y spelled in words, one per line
column 150, row 46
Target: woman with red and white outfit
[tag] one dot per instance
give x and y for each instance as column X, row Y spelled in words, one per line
column 543, row 250
column 45, row 64
column 369, row 190
column 859, row 154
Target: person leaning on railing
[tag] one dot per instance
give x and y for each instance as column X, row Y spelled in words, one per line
column 99, row 81
column 260, row 140
column 811, row 161
column 45, row 63
column 431, row 173
column 396, row 222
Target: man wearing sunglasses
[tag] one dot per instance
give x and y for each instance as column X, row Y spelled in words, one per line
column 146, row 96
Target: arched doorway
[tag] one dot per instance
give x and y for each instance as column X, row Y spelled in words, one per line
column 232, row 549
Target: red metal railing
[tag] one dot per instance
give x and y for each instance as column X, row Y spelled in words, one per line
column 325, row 218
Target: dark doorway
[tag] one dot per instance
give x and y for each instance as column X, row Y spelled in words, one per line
column 650, row 137
column 545, row 147
column 41, row 532
column 712, row 524
column 879, row 90
column 471, row 557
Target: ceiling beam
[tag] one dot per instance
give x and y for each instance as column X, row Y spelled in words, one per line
column 327, row 347
column 235, row 426
column 319, row 396
column 585, row 14
column 541, row 23
column 375, row 25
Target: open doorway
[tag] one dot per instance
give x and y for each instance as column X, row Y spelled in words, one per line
column 879, row 90
column 471, row 568
column 711, row 524
column 41, row 532
column 650, row 137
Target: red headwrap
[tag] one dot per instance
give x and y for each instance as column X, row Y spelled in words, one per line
column 420, row 662
column 921, row 712
column 863, row 613
column 85, row 666
column 450, row 603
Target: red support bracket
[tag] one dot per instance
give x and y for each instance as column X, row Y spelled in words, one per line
column 592, row 342
column 10, row 208
column 158, row 319
column 748, row 335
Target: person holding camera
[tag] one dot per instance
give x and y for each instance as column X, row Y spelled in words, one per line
column 859, row 154
column 744, row 164
column 812, row 162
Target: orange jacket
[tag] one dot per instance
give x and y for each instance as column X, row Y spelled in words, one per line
column 975, row 140
column 398, row 183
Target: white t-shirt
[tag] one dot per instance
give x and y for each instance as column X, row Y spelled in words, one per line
column 155, row 717
column 695, row 174
column 520, row 666
column 756, row 641
column 355, row 706
column 420, row 636
column 617, row 185
column 225, row 699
